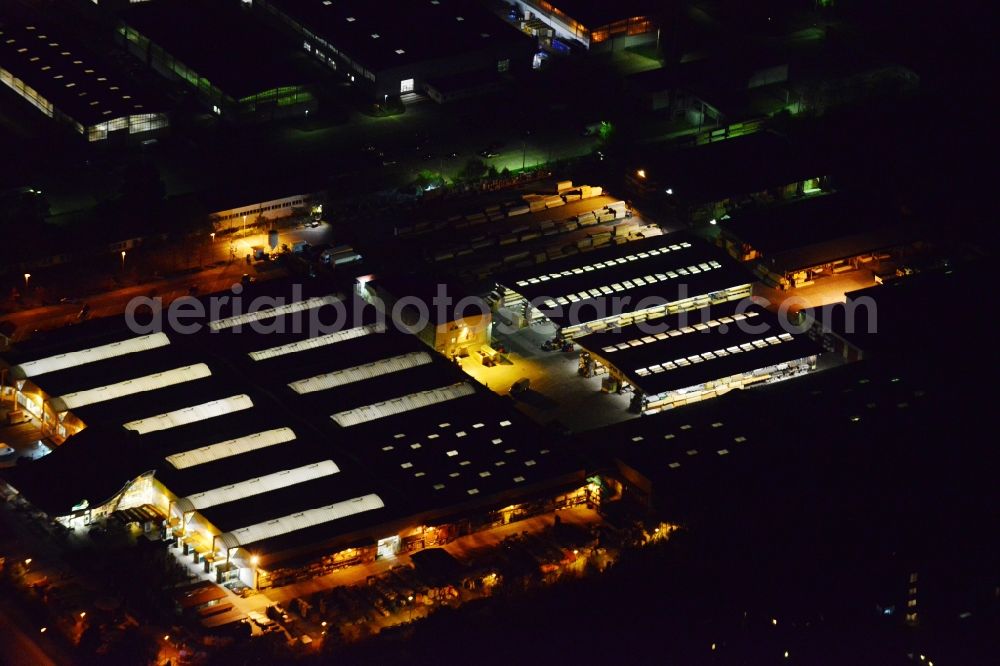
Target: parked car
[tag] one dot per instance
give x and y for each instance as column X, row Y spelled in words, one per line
column 521, row 386
column 6, row 452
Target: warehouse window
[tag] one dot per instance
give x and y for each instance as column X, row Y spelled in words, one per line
column 503, row 65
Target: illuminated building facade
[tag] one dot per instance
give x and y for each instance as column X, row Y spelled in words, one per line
column 60, row 80
column 595, row 24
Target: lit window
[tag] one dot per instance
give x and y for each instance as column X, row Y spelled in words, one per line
column 351, row 19
column 400, row 51
column 375, row 35
column 459, row 18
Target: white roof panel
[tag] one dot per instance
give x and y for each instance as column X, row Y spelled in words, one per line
column 191, row 414
column 278, row 311
column 318, row 341
column 261, row 485
column 300, row 521
column 360, row 372
column 231, row 447
column 188, row 373
column 93, row 355
column 402, row 404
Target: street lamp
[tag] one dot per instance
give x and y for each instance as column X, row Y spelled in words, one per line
column 123, row 260
column 27, row 276
column 254, row 561
column 213, row 237
column 641, row 173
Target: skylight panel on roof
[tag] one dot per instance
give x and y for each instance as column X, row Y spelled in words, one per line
column 128, row 387
column 300, row 521
column 279, row 311
column 230, row 448
column 319, row 341
column 193, row 414
column 93, row 355
column 262, row 484
column 402, row 404
column 360, row 373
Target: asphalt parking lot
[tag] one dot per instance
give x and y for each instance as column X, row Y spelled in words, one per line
column 558, row 393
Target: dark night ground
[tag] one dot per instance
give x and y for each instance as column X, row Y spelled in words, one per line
column 821, row 523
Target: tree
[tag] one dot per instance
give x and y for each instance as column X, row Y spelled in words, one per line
column 133, row 647
column 474, row 169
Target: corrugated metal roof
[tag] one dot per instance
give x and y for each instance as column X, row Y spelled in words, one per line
column 318, row 341
column 191, row 414
column 300, row 521
column 402, row 404
column 231, row 447
column 360, row 372
column 93, row 355
column 278, row 311
column 152, row 382
column 257, row 486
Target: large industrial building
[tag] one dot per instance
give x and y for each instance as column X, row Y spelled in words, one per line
column 794, row 243
column 684, row 358
column 707, row 182
column 627, row 283
column 272, row 454
column 397, row 48
column 235, row 65
column 60, row 79
column 595, row 24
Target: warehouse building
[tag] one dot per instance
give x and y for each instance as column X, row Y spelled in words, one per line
column 624, row 284
column 890, row 320
column 692, row 356
column 61, row 80
column 270, row 454
column 237, row 67
column 595, row 24
column 707, row 182
column 444, row 318
column 794, row 243
column 397, row 48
